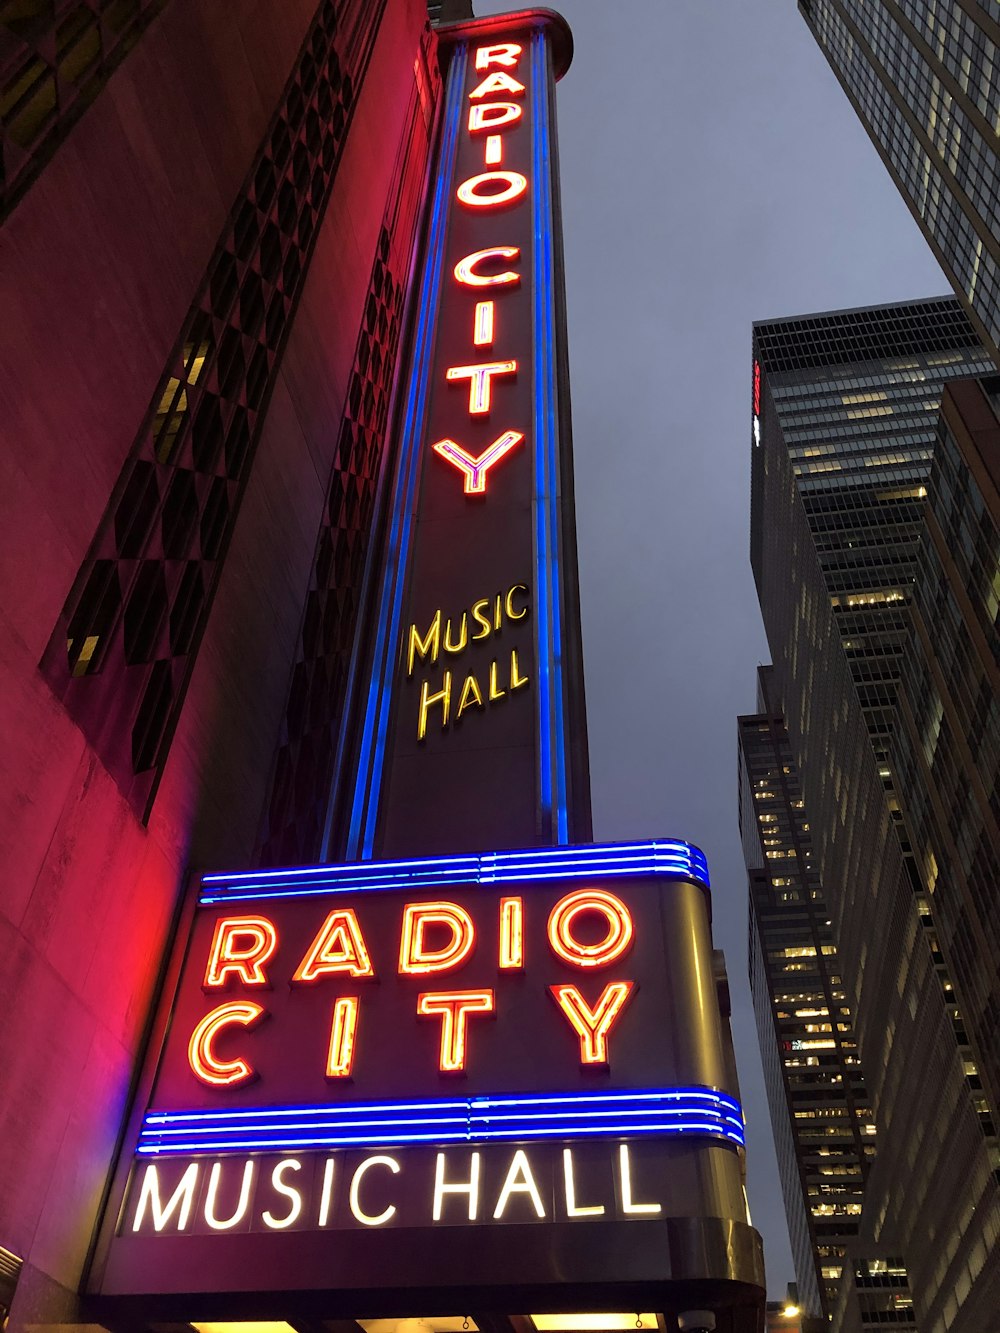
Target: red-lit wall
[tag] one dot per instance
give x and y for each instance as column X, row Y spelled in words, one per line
column 98, row 266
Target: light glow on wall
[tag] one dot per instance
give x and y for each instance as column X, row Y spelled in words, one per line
column 498, row 82
column 592, row 1323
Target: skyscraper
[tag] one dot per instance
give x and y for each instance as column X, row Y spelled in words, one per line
column 824, row 1131
column 844, row 414
column 924, row 78
column 946, row 750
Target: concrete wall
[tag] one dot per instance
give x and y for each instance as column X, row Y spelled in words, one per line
column 98, row 266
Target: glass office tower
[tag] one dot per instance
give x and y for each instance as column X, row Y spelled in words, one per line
column 924, row 77
column 845, row 410
column 946, row 751
column 824, row 1131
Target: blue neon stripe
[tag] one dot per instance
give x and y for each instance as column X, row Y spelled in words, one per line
column 364, row 807
column 668, row 857
column 667, row 1111
column 552, row 723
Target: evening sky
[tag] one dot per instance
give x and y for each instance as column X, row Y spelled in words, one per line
column 713, row 173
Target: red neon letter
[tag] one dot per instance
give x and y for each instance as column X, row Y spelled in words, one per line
column 454, row 1007
column 593, row 1025
column 488, row 115
column 465, row 269
column 511, row 934
column 494, row 150
column 204, row 1063
column 475, row 469
column 504, row 53
column 512, row 182
column 339, row 947
column 620, row 929
column 241, row 946
column 482, row 324
column 480, row 381
column 497, row 83
column 414, row 955
column 343, row 1030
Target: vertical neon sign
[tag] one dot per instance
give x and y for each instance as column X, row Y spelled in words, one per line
column 478, row 484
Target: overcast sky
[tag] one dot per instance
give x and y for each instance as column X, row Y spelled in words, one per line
column 713, row 173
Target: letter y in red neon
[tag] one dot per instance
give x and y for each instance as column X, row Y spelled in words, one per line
column 474, row 470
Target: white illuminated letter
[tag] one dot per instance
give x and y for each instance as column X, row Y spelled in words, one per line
column 480, row 379
column 469, row 1187
column 490, row 115
column 326, row 1195
column 227, row 1223
column 503, row 53
column 519, row 1181
column 491, row 189
column 497, row 82
column 181, row 1199
column 594, row 1210
column 626, row 1171
column 372, row 1219
column 293, row 1195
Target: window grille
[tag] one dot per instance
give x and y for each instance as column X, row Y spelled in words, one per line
column 55, row 57
column 122, row 653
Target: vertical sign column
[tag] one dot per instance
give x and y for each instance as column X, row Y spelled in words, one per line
column 465, row 738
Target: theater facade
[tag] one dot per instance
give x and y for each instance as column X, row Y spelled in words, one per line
column 412, row 1046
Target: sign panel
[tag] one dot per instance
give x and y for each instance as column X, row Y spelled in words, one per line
column 474, row 731
column 364, row 1056
column 474, row 1079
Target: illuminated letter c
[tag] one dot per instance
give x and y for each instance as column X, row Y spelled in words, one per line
column 205, row 1064
column 465, row 269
